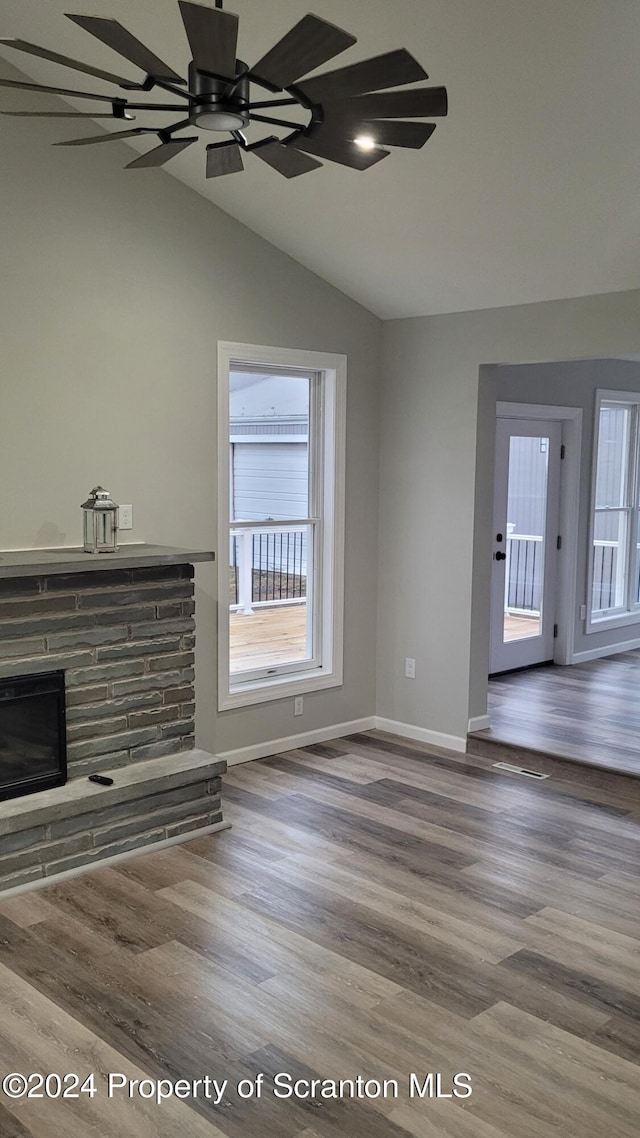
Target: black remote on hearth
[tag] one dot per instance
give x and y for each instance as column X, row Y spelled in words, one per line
column 101, row 778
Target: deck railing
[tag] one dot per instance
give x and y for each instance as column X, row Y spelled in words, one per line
column 608, row 586
column 267, row 567
column 524, row 572
column 524, row 579
column 605, row 572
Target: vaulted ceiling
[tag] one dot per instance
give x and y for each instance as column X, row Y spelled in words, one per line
column 528, row 191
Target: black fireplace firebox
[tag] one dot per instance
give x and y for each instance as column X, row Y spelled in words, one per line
column 33, row 743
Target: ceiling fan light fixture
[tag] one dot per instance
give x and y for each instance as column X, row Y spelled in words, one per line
column 365, row 142
column 219, row 120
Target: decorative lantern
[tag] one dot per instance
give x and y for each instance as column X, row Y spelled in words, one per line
column 100, row 522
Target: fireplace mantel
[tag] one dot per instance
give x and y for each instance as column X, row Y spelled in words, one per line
column 53, row 562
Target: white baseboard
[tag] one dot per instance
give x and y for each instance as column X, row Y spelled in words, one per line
column 607, row 650
column 115, row 859
column 421, row 734
column 292, row 742
column 479, row 723
column 336, row 731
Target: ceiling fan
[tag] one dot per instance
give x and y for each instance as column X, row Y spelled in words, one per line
column 346, row 116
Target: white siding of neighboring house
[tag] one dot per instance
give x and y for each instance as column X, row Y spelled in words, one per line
column 269, row 480
column 269, row 417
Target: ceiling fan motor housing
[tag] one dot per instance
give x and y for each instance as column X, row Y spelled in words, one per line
column 219, row 105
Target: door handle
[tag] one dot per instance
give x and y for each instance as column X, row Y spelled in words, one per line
column 500, row 556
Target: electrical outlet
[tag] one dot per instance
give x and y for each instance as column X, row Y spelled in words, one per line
column 583, row 612
column 125, row 517
column 410, row 668
column 298, row 705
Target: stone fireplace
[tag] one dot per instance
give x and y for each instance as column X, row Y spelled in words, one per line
column 116, row 633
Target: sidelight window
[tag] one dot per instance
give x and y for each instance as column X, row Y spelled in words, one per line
column 615, row 536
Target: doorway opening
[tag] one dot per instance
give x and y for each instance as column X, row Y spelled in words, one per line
column 578, row 702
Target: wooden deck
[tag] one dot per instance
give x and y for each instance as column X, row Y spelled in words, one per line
column 520, row 627
column 270, row 635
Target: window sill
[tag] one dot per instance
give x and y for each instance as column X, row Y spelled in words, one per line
column 621, row 620
column 281, row 687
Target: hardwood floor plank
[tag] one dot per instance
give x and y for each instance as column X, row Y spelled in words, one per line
column 137, row 920
column 506, row 1093
column 604, row 1081
column 585, row 711
column 621, row 1036
column 287, row 951
column 26, row 910
column 37, row 1035
column 12, row 1127
column 600, row 994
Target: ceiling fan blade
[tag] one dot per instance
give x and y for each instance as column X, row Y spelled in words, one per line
column 213, row 36
column 61, row 115
column 119, row 39
column 340, row 150
column 224, row 159
column 389, row 70
column 389, row 105
column 384, row 132
column 103, row 137
column 160, row 154
column 74, row 64
column 287, row 161
column 54, row 90
column 310, row 44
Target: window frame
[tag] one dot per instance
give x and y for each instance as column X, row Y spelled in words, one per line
column 329, row 478
column 629, row 612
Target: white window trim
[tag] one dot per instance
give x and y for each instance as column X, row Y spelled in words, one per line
column 331, row 569
column 628, row 615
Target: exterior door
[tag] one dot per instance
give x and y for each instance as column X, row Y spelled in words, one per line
column 525, row 543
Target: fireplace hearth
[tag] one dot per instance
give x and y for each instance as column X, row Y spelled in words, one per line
column 33, row 750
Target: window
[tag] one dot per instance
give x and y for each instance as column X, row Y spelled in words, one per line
column 281, row 528
column 615, row 539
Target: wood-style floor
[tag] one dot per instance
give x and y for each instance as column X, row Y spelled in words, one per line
column 379, row 910
column 589, row 712
column 277, row 634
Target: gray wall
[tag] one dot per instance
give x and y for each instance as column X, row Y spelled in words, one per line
column 116, row 287
column 436, row 489
column 574, row 384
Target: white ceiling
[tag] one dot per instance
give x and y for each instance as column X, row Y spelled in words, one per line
column 528, row 191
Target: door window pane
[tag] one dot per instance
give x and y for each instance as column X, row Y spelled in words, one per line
column 526, row 516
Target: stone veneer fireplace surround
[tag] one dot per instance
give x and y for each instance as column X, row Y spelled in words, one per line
column 121, row 627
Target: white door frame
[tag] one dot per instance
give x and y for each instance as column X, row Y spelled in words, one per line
column 571, row 421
